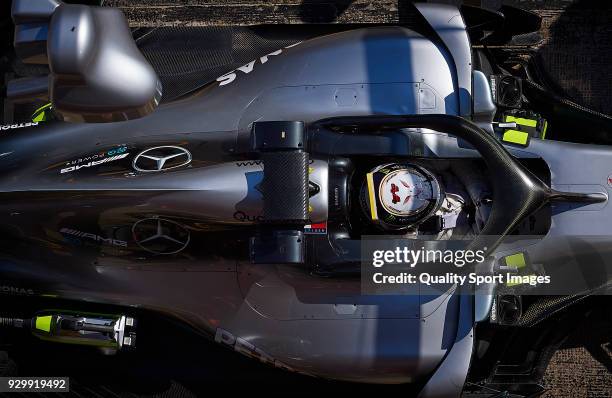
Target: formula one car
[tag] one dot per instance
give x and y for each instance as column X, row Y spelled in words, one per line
column 242, row 208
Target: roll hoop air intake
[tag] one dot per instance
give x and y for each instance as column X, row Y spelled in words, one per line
column 284, row 188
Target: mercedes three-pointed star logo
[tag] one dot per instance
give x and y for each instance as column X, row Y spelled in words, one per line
column 160, row 236
column 161, row 158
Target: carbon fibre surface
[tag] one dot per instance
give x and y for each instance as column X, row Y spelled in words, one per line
column 186, row 58
column 285, row 186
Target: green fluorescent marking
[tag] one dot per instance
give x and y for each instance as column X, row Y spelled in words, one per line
column 544, row 130
column 40, row 115
column 44, row 323
column 515, row 137
column 516, row 260
column 522, row 121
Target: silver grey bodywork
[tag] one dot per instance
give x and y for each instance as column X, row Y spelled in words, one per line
column 278, row 314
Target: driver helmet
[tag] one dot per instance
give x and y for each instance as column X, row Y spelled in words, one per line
column 398, row 196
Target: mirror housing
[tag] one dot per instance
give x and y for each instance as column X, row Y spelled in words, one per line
column 97, row 74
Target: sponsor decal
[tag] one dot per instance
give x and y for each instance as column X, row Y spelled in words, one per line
column 244, row 217
column 98, row 156
column 93, row 237
column 95, row 159
column 316, row 229
column 249, row 163
column 242, row 346
column 161, row 158
column 18, row 126
column 5, row 289
column 248, row 68
column 160, row 236
column 246, row 208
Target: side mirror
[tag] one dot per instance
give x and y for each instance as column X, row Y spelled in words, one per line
column 97, row 74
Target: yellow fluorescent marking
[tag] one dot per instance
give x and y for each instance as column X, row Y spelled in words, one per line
column 516, row 260
column 43, row 323
column 310, row 170
column 372, row 196
column 515, row 137
column 544, row 130
column 39, row 114
column 522, row 121
column 39, row 117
